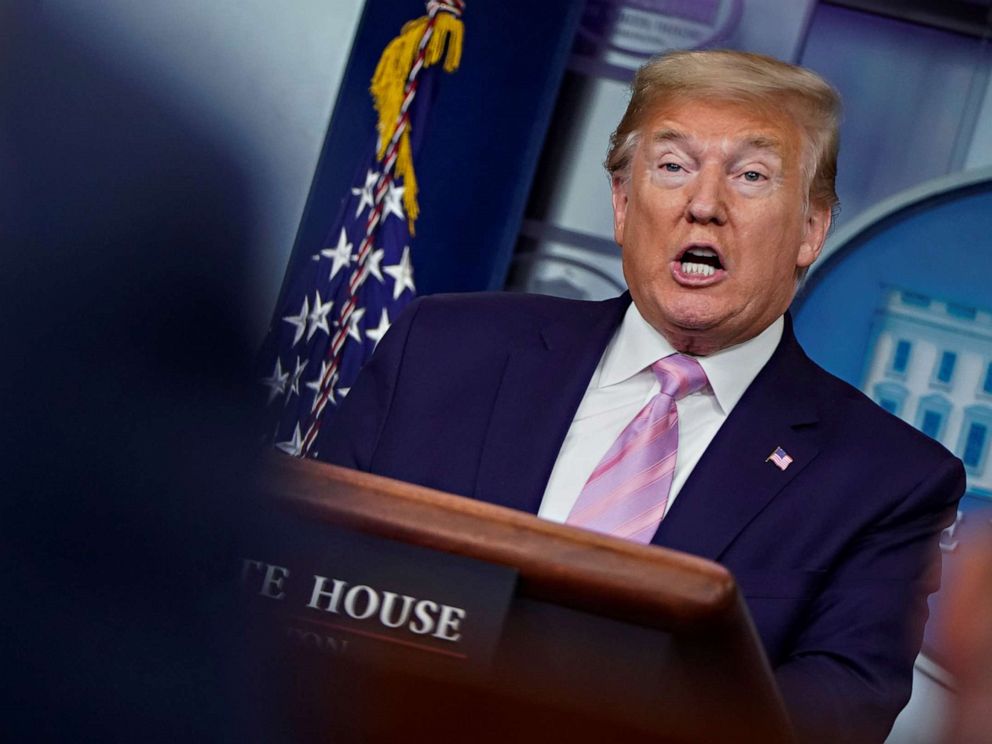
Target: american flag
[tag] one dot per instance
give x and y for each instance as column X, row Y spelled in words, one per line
column 780, row 457
column 337, row 305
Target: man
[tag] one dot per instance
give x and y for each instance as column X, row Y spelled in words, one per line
column 826, row 509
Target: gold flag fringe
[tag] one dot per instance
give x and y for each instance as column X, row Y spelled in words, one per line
column 389, row 81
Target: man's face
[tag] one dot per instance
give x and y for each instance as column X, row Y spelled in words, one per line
column 711, row 221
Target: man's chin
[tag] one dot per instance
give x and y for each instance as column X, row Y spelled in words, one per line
column 692, row 328
column 693, row 317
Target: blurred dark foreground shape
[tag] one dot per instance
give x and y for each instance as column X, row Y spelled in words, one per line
column 126, row 445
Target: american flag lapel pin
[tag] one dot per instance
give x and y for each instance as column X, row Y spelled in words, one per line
column 780, row 458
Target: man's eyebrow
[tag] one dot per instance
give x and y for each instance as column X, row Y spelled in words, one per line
column 760, row 142
column 669, row 135
column 754, row 142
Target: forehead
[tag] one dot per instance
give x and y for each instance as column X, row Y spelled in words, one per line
column 727, row 124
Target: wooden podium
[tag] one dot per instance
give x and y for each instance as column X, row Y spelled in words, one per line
column 604, row 640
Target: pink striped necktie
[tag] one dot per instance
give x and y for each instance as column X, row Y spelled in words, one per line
column 627, row 493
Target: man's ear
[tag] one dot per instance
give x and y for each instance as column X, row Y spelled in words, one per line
column 815, row 235
column 619, row 207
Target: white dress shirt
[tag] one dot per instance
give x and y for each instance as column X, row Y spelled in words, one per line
column 623, row 383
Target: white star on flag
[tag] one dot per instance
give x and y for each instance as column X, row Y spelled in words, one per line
column 380, row 330
column 294, row 446
column 402, row 274
column 353, row 330
column 276, row 382
column 300, row 321
column 339, row 254
column 372, row 264
column 393, row 202
column 318, row 316
column 294, row 379
column 315, row 384
column 365, row 193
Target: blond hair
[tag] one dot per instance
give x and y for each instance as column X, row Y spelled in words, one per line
column 742, row 77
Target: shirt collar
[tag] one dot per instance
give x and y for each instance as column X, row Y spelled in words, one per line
column 636, row 345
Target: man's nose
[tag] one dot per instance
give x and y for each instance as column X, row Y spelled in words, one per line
column 706, row 202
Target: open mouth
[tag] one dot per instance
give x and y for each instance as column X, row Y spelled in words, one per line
column 700, row 261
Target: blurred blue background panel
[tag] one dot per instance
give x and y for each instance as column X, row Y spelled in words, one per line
column 938, row 246
column 912, row 97
column 481, row 146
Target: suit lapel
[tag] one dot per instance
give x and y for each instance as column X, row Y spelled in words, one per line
column 734, row 480
column 541, row 387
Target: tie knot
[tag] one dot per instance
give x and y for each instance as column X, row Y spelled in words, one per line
column 679, row 375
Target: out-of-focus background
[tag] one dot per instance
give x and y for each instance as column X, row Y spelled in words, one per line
column 163, row 165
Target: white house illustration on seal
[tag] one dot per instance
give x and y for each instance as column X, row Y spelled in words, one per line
column 930, row 363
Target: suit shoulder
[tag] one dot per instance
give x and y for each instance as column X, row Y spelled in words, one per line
column 484, row 303
column 508, row 313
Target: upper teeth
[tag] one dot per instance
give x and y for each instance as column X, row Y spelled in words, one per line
column 690, row 266
column 698, row 268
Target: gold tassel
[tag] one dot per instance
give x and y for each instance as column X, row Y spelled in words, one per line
column 448, row 31
column 389, row 81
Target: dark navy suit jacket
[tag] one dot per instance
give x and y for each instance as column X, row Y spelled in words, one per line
column 835, row 555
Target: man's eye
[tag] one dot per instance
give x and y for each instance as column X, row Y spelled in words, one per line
column 752, row 176
column 671, row 167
